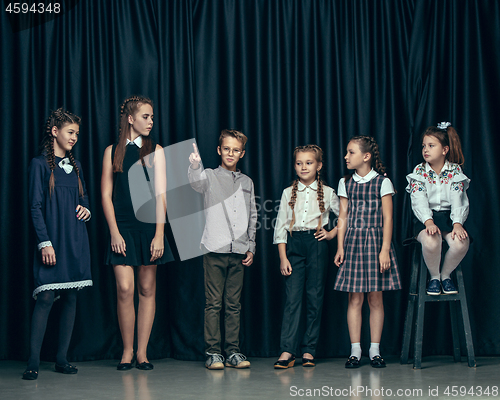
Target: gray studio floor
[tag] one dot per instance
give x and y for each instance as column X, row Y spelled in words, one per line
column 174, row 379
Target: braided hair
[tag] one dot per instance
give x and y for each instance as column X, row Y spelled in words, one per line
column 311, row 148
column 367, row 144
column 59, row 119
column 447, row 137
column 130, row 106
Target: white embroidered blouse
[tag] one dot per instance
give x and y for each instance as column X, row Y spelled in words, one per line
column 430, row 191
column 306, row 209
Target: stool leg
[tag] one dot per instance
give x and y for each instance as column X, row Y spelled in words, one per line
column 471, row 360
column 412, row 297
column 454, row 330
column 419, row 331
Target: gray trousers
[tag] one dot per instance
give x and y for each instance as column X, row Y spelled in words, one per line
column 223, row 280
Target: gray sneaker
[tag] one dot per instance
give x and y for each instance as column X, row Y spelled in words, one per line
column 237, row 360
column 214, row 361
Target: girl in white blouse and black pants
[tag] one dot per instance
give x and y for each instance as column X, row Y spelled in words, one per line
column 300, row 236
column 439, row 201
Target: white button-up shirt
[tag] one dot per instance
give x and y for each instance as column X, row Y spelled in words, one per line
column 306, row 208
column 439, row 192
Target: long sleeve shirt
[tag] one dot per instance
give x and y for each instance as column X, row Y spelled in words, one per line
column 444, row 191
column 230, row 210
column 306, row 210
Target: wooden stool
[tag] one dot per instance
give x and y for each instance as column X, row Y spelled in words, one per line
column 418, row 297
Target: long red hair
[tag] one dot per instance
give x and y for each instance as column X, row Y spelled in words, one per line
column 130, row 107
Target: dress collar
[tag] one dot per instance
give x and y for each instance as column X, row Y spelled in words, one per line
column 367, row 178
column 65, row 164
column 313, row 186
column 137, row 141
column 446, row 167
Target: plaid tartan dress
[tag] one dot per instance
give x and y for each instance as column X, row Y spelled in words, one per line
column 360, row 271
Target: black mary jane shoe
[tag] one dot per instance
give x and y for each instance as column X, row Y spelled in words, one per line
column 352, row 362
column 283, row 364
column 30, row 375
column 377, row 362
column 144, row 366
column 308, row 362
column 66, row 369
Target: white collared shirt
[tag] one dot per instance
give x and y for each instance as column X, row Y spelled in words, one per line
column 137, row 141
column 385, row 189
column 439, row 192
column 306, row 208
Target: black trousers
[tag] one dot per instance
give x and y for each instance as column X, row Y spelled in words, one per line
column 308, row 258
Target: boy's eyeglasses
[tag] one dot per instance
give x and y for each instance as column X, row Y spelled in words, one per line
column 228, row 150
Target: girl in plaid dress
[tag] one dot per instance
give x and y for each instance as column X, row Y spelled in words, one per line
column 365, row 256
column 300, row 235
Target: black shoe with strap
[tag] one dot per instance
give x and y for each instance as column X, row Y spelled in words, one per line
column 377, row 362
column 66, row 369
column 30, row 374
column 352, row 362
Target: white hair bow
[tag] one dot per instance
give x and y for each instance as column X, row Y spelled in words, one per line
column 443, row 125
column 66, row 165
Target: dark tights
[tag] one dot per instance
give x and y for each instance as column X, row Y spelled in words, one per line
column 43, row 306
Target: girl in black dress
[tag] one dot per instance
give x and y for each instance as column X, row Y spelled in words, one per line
column 59, row 208
column 135, row 243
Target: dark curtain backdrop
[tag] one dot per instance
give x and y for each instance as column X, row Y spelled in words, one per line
column 286, row 73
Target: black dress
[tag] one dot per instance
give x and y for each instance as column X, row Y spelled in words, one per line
column 55, row 222
column 137, row 235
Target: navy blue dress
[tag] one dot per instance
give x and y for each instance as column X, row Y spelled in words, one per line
column 137, row 235
column 54, row 219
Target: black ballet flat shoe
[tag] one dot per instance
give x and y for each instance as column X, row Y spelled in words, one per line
column 66, row 369
column 308, row 362
column 283, row 364
column 377, row 362
column 352, row 362
column 144, row 366
column 30, row 375
column 126, row 366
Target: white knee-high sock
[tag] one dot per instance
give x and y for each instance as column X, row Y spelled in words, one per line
column 457, row 251
column 431, row 250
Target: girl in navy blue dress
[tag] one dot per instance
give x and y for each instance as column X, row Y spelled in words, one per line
column 365, row 255
column 59, row 210
column 135, row 243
